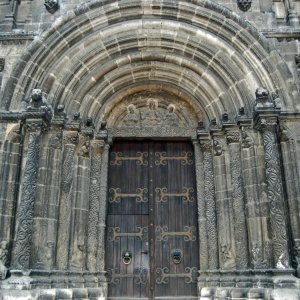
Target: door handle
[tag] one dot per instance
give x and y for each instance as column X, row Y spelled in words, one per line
column 144, row 252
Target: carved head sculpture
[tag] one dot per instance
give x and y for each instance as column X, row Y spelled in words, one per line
column 36, row 98
column 51, row 5
column 171, row 108
column 263, row 98
column 244, row 5
column 131, row 108
column 153, row 104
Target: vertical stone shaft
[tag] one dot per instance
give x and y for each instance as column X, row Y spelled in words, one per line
column 240, row 228
column 275, row 196
column 67, row 178
column 203, row 241
column 102, row 210
column 291, row 172
column 94, row 202
column 209, row 195
column 9, row 186
column 25, row 211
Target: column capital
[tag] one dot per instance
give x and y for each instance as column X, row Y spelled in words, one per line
column 233, row 137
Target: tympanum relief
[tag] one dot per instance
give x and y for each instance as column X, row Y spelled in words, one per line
column 152, row 113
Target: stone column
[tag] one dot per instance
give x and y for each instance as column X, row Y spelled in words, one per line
column 80, row 206
column 266, row 121
column 102, row 209
column 223, row 206
column 25, row 211
column 209, row 196
column 65, row 203
column 97, row 147
column 201, row 201
column 290, row 156
column 255, row 195
column 240, row 228
column 275, row 193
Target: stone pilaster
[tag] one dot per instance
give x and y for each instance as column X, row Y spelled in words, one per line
column 25, row 211
column 201, row 201
column 240, row 228
column 209, row 196
column 67, row 180
column 102, row 209
column 97, row 147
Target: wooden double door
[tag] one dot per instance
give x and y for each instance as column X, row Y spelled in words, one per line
column 152, row 232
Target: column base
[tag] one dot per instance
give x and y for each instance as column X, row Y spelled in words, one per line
column 275, row 284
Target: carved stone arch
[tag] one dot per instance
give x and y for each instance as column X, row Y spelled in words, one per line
column 91, row 60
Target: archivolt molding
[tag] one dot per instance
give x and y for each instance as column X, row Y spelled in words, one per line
column 103, row 47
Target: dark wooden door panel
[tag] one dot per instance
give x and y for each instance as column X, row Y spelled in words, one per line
column 175, row 219
column 152, row 212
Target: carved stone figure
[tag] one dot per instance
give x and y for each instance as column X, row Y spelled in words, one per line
column 3, row 259
column 171, row 118
column 263, row 99
column 51, row 5
column 227, row 256
column 217, row 148
column 151, row 117
column 244, row 5
column 132, row 118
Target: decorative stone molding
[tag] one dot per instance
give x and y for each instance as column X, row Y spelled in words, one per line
column 244, row 5
column 233, row 137
column 51, row 6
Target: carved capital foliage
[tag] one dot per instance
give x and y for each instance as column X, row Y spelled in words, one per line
column 233, row 137
column 71, row 137
column 244, row 5
column 206, row 145
column 35, row 126
column 267, row 124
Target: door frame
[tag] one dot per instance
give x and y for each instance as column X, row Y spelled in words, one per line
column 172, row 135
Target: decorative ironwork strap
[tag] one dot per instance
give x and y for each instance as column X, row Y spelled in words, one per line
column 118, row 158
column 164, row 274
column 188, row 233
column 139, row 274
column 117, row 195
column 162, row 194
column 162, row 158
column 115, row 234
